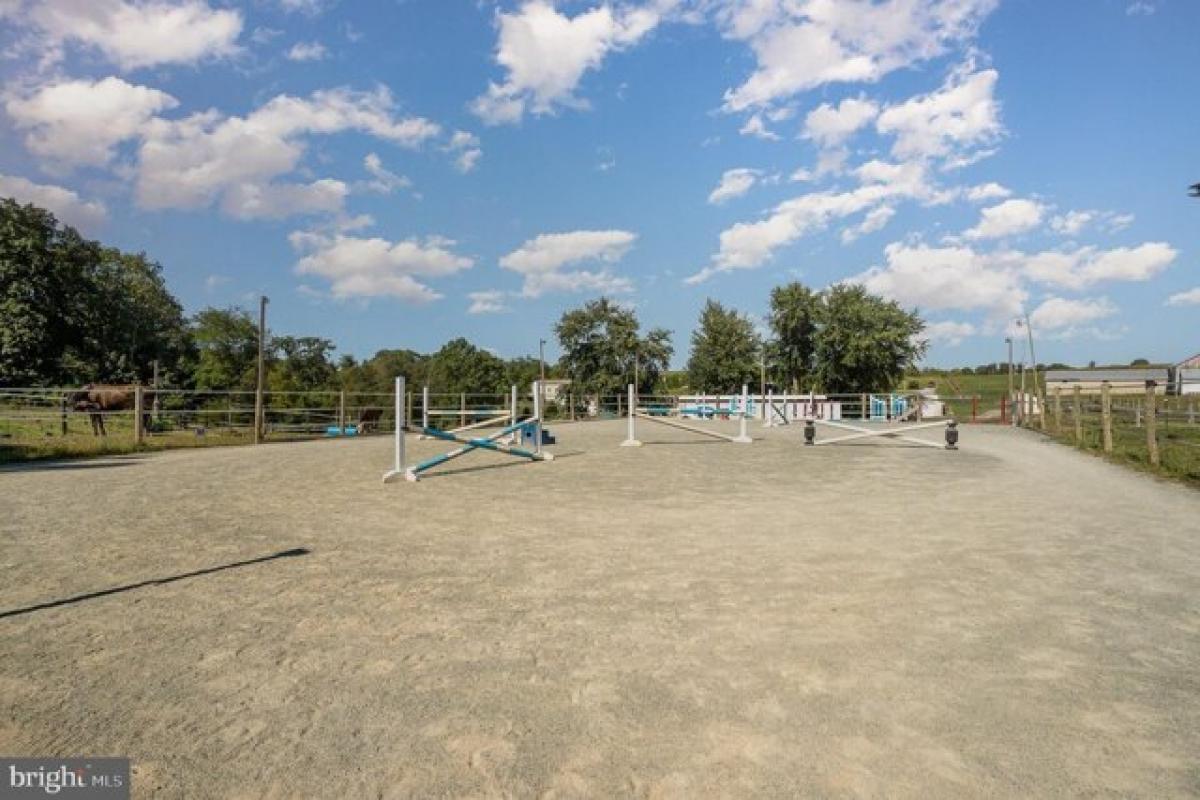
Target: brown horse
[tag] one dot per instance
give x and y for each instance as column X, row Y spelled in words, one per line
column 97, row 400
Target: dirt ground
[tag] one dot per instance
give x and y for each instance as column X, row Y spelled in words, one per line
column 686, row 619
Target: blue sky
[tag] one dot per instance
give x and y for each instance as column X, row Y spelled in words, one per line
column 395, row 174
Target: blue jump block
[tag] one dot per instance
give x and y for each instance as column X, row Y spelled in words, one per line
column 529, row 436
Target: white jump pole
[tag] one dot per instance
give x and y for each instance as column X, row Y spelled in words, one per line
column 397, row 470
column 537, row 414
column 742, row 438
column 632, row 440
column 513, row 406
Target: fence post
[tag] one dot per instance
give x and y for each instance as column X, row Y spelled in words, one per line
column 571, row 403
column 974, row 407
column 1079, row 416
column 138, row 405
column 862, row 406
column 1151, row 438
column 462, row 409
column 408, row 404
column 1106, row 416
column 342, row 411
column 1003, row 409
column 1058, row 409
column 63, row 405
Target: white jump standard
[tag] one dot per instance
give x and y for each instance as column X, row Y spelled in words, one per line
column 857, row 432
column 413, row 473
column 634, row 414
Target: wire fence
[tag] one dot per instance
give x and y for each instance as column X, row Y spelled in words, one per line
column 1145, row 424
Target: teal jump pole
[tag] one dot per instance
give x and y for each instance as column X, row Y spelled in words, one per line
column 413, row 473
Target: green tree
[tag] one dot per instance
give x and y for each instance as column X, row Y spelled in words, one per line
column 130, row 321
column 725, row 350
column 227, row 339
column 73, row 311
column 523, row 371
column 864, row 343
column 601, row 346
column 462, row 367
column 795, row 313
column 38, row 294
column 304, row 363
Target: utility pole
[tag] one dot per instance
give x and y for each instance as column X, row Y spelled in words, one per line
column 1011, row 410
column 1037, row 392
column 259, row 411
column 542, row 359
column 762, row 374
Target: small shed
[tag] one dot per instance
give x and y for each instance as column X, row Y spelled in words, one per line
column 1187, row 376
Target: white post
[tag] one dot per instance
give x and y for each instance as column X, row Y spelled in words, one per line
column 769, row 409
column 425, row 407
column 397, row 470
column 742, row 438
column 631, row 440
column 537, row 413
column 513, row 400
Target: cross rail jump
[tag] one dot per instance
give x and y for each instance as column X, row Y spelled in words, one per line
column 413, row 473
column 858, row 432
column 634, row 414
column 490, row 415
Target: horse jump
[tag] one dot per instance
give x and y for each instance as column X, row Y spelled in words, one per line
column 413, row 473
column 490, row 416
column 634, row 414
column 857, row 432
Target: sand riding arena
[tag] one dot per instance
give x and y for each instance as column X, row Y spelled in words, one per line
column 687, row 618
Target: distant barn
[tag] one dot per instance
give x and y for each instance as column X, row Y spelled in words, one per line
column 1121, row 381
column 1187, row 376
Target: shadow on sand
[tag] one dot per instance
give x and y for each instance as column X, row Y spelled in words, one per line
column 79, row 598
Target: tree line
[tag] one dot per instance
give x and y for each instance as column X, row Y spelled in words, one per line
column 74, row 311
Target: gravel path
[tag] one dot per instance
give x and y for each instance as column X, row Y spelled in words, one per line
column 683, row 619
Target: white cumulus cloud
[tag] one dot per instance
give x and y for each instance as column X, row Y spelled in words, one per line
column 1088, row 266
column 949, row 332
column 191, row 162
column 307, row 51
column 734, row 183
column 943, row 278
column 987, row 191
column 81, row 122
column 139, row 34
column 747, row 245
column 947, row 123
column 1007, row 219
column 1057, row 314
column 68, row 206
column 803, row 45
column 1189, row 298
column 546, row 53
column 375, row 267
column 541, row 260
column 830, row 126
column 490, row 301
